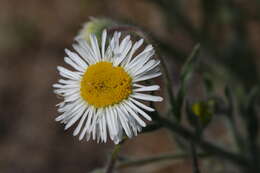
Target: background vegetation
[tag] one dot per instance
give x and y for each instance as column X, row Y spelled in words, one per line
column 215, row 92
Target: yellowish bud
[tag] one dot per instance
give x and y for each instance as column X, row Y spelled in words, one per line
column 204, row 110
column 95, row 26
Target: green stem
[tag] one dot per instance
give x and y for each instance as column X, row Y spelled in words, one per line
column 195, row 165
column 235, row 134
column 186, row 72
column 111, row 164
column 232, row 120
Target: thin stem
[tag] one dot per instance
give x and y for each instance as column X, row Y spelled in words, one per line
column 235, row 134
column 158, row 158
column 187, row 69
column 252, row 129
column 111, row 164
column 232, row 120
column 195, row 165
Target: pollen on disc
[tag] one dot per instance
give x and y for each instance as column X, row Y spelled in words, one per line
column 104, row 85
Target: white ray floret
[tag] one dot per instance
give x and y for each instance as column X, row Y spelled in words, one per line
column 116, row 120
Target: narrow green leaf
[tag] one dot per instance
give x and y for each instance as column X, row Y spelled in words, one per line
column 209, row 85
column 189, row 64
column 185, row 75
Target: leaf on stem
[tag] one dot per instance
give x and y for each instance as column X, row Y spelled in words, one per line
column 208, row 84
column 185, row 75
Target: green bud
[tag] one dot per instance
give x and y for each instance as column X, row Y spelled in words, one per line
column 204, row 110
column 95, row 26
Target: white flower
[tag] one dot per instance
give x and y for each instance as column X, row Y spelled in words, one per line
column 102, row 93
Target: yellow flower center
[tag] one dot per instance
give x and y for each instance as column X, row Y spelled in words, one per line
column 103, row 84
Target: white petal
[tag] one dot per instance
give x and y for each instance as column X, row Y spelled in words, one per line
column 76, row 110
column 115, row 119
column 146, row 68
column 67, row 91
column 145, row 115
column 108, row 54
column 140, row 60
column 136, row 46
column 110, row 124
column 123, row 53
column 73, row 108
column 104, row 37
column 142, row 105
column 68, row 82
column 87, row 124
column 75, row 118
column 85, row 51
column 114, row 43
column 147, row 49
column 124, row 43
column 68, row 74
column 104, row 127
column 146, row 77
column 93, row 127
column 74, row 65
column 148, row 88
column 78, row 128
column 70, row 86
column 133, row 113
column 112, row 116
column 138, row 85
column 95, row 47
column 88, row 135
column 69, row 107
column 76, row 58
column 147, row 97
column 124, row 122
column 72, row 97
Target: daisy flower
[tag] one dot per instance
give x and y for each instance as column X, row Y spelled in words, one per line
column 103, row 95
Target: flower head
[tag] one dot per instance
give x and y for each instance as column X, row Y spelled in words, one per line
column 102, row 95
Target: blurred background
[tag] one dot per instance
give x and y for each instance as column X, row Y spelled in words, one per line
column 33, row 35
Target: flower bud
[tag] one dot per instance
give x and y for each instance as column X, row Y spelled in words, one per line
column 204, row 110
column 94, row 26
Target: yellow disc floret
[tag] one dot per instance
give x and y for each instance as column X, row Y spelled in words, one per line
column 104, row 85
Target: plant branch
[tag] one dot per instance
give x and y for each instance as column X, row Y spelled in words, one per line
column 111, row 164
column 205, row 145
column 232, row 120
column 195, row 165
column 185, row 75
